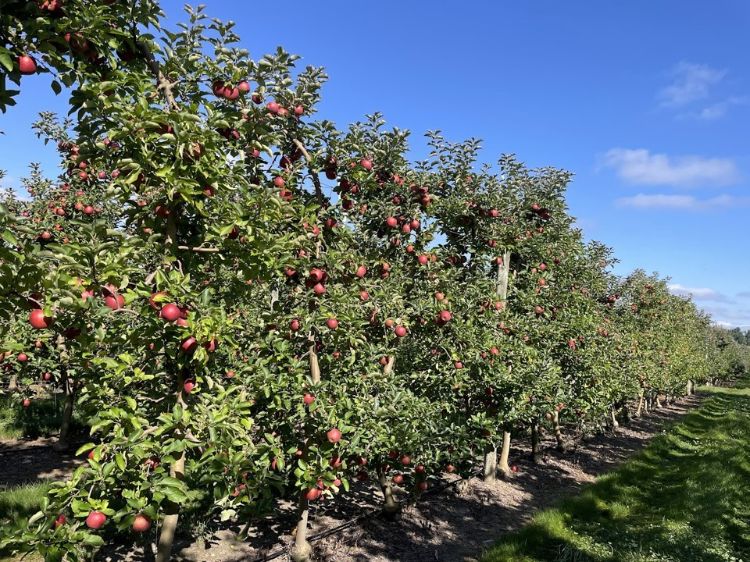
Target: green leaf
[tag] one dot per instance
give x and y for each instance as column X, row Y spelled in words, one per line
column 6, row 61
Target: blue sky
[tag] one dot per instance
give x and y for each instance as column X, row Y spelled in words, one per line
column 647, row 102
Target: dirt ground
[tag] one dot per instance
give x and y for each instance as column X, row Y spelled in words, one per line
column 453, row 524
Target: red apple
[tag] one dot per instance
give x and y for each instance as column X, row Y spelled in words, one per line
column 332, row 323
column 189, row 344
column 422, row 486
column 444, row 317
column 366, row 164
column 319, row 289
column 439, row 296
column 335, row 462
column 22, row 357
column 398, row 479
column 333, row 435
column 26, row 403
column 423, row 259
column 449, row 468
column 458, row 365
column 38, row 320
column 95, row 520
column 278, row 181
column 364, row 295
column 243, row 86
column 141, row 523
column 391, row 222
column 308, row 399
column 26, row 65
column 188, row 386
column 60, row 521
column 400, row 331
column 170, row 312
column 313, row 494
column 294, row 325
column 230, row 374
column 361, row 271
column 405, row 460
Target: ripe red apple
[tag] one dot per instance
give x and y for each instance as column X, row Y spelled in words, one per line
column 361, row 271
column 294, row 325
column 313, row 494
column 273, row 107
column 449, row 468
column 391, row 222
column 95, row 520
column 400, row 331
column 141, row 523
column 410, row 249
column 389, row 323
column 278, row 181
column 458, row 365
column 514, row 468
column 538, row 310
column 170, row 312
column 542, row 266
column 319, row 289
column 47, row 376
column 364, row 295
column 423, row 259
column 243, row 86
column 26, row 65
column 115, row 301
column 366, row 164
column 60, row 521
column 439, row 296
column 335, row 462
column 308, row 399
column 405, row 460
column 299, row 110
column 22, row 357
column 419, row 469
column 444, row 316
column 38, row 320
column 188, row 386
column 572, row 343
column 189, row 344
column 398, row 479
column 332, row 323
column 230, row 374
column 333, row 435
column 26, row 403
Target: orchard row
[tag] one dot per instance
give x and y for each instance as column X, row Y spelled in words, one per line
column 247, row 304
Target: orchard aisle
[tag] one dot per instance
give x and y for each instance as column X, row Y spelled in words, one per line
column 683, row 499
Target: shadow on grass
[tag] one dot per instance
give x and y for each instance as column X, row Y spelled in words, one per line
column 41, row 419
column 684, row 498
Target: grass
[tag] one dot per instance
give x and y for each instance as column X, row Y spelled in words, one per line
column 16, row 506
column 686, row 497
column 41, row 419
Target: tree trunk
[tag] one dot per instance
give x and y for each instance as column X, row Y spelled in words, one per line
column 625, row 413
column 490, row 462
column 301, row 550
column 561, row 446
column 63, row 441
column 689, row 389
column 13, row 383
column 390, row 505
column 503, row 466
column 314, row 365
column 388, row 369
column 657, row 401
column 639, row 409
column 613, row 418
column 534, row 443
column 172, row 511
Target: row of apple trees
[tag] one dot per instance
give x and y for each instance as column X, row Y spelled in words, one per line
column 246, row 303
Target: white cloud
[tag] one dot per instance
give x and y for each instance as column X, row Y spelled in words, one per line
column 639, row 166
column 690, row 82
column 681, row 202
column 718, row 110
column 728, row 315
column 698, row 293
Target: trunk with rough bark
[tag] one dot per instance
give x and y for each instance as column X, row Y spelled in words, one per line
column 490, row 463
column 13, row 383
column 502, row 465
column 639, row 409
column 534, row 443
column 689, row 389
column 561, row 446
column 625, row 414
column 490, row 452
column 172, row 511
column 613, row 418
column 301, row 550
column 63, row 441
column 657, row 402
column 390, row 505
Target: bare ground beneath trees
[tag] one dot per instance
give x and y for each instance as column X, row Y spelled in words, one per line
column 454, row 524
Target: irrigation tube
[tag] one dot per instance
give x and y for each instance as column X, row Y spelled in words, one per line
column 323, row 534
